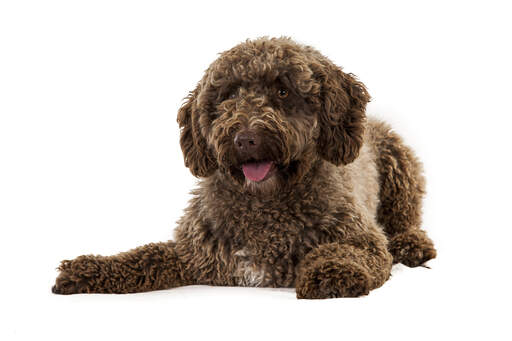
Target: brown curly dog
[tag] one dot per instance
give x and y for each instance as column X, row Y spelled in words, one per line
column 298, row 189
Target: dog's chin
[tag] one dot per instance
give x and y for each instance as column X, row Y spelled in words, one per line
column 262, row 181
column 257, row 176
column 267, row 186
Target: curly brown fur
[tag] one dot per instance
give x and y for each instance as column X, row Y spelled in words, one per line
column 412, row 248
column 402, row 187
column 331, row 275
column 297, row 188
column 150, row 267
column 343, row 270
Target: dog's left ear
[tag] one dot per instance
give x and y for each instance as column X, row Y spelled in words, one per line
column 342, row 115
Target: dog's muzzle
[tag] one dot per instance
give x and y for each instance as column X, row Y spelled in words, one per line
column 249, row 146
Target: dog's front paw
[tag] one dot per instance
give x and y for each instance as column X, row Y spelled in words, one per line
column 329, row 279
column 77, row 276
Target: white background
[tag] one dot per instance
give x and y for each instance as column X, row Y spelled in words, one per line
column 90, row 161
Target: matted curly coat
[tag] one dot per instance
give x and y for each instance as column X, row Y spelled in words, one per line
column 298, row 188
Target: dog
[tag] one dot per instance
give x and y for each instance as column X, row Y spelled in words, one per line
column 298, row 188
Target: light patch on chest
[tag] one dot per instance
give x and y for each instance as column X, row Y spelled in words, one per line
column 247, row 273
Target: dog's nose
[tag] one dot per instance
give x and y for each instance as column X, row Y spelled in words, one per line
column 247, row 141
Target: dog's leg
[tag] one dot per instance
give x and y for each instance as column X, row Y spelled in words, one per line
column 402, row 187
column 346, row 269
column 149, row 267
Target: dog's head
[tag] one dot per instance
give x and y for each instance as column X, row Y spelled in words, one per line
column 267, row 110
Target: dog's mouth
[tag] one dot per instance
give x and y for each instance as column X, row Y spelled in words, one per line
column 258, row 170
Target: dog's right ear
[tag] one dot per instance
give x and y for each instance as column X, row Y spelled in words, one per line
column 198, row 157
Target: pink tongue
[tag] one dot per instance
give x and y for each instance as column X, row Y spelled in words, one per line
column 256, row 171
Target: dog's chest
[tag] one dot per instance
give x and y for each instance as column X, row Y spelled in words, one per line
column 240, row 240
column 267, row 244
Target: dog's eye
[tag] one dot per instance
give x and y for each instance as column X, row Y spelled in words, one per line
column 233, row 93
column 282, row 93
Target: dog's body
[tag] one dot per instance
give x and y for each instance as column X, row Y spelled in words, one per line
column 298, row 189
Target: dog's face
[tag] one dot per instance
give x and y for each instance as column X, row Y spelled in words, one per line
column 267, row 110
